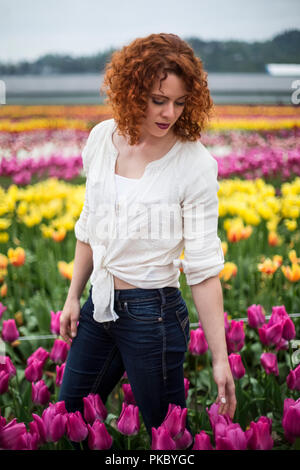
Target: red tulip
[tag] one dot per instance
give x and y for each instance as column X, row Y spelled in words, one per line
column 128, row 422
column 291, row 419
column 236, row 365
column 198, row 343
column 269, row 363
column 99, row 438
column 202, row 442
column 40, row 394
column 76, row 428
column 293, row 379
column 259, row 435
column 161, row 439
column 9, row 330
column 94, row 408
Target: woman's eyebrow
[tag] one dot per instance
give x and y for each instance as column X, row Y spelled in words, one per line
column 164, row 96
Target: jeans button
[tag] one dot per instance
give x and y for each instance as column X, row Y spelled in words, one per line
column 160, row 319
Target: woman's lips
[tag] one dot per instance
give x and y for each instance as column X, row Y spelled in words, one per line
column 162, row 126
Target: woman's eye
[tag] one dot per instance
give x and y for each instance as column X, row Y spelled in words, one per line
column 162, row 102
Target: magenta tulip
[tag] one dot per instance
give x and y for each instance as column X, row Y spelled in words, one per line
column 230, row 437
column 235, row 336
column 99, row 438
column 10, row 435
column 226, row 322
column 7, row 365
column 4, row 380
column 55, row 322
column 40, row 354
column 55, row 421
column 236, row 365
column 175, row 420
column 128, row 422
column 293, row 379
column 259, row 435
column 37, row 426
column 291, row 419
column 9, row 330
column 162, row 439
column 59, row 351
column 202, row 442
column 215, row 417
column 128, row 394
column 271, row 334
column 59, row 374
column 40, row 394
column 269, row 363
column 186, row 387
column 2, row 309
column 280, row 315
column 184, row 441
column 34, row 371
column 198, row 343
column 76, row 428
column 256, row 317
column 94, row 408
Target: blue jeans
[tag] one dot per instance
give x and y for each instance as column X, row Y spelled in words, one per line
column 148, row 341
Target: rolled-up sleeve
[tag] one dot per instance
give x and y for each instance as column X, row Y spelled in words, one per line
column 203, row 253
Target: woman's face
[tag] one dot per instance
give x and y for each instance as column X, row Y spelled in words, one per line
column 165, row 105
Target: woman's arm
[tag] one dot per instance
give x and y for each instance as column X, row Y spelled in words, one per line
column 82, row 269
column 208, row 299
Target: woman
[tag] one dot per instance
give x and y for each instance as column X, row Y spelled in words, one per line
column 147, row 164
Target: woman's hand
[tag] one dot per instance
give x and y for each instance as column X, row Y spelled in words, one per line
column 226, row 387
column 68, row 319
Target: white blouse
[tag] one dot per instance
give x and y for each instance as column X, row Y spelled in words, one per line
column 140, row 236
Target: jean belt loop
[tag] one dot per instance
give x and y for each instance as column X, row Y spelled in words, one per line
column 162, row 296
column 117, row 298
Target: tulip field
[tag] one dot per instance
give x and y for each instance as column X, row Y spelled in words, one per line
column 42, row 192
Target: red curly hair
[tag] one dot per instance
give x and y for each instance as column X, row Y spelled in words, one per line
column 130, row 76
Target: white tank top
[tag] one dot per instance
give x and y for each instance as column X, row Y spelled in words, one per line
column 124, row 185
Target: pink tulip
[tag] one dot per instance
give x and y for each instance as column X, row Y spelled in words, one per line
column 10, row 435
column 4, row 380
column 2, row 422
column 161, row 439
column 59, row 351
column 279, row 314
column 2, row 309
column 128, row 394
column 293, row 379
column 7, row 365
column 128, row 422
column 184, row 441
column 99, row 438
column 215, row 417
column 236, row 365
column 94, row 408
column 230, row 437
column 235, row 336
column 256, row 317
column 55, row 325
column 202, row 442
column 291, row 419
column 9, row 330
column 175, row 420
column 40, row 394
column 40, row 354
column 186, row 387
column 37, row 426
column 76, row 428
column 55, row 421
column 198, row 343
column 271, row 334
column 269, row 363
column 27, row 441
column 59, row 374
column 259, row 435
column 34, row 371
column 282, row 344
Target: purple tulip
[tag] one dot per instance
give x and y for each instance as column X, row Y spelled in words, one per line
column 175, row 420
column 235, row 336
column 37, row 426
column 34, row 371
column 55, row 324
column 198, row 343
column 293, row 379
column 99, row 438
column 10, row 435
column 2, row 309
column 4, row 380
column 55, row 421
column 256, row 317
column 161, row 439
column 230, row 437
column 291, row 419
column 128, row 422
column 94, row 408
column 269, row 363
column 236, row 365
column 76, row 428
column 59, row 374
column 40, row 354
column 128, row 394
column 59, row 351
column 9, row 331
column 7, row 365
column 202, row 442
column 259, row 435
column 40, row 394
column 186, row 387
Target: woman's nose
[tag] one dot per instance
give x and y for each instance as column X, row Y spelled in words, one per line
column 169, row 111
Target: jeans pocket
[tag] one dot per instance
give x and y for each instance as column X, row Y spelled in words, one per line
column 144, row 312
column 182, row 315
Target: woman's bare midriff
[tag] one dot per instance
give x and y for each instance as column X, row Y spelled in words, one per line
column 119, row 284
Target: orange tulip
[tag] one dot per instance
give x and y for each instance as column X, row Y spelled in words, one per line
column 292, row 274
column 17, row 256
column 59, row 235
column 3, row 290
column 268, row 266
column 66, row 269
column 3, row 261
column 274, row 239
column 229, row 270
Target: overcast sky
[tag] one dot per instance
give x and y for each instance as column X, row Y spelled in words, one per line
column 31, row 28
